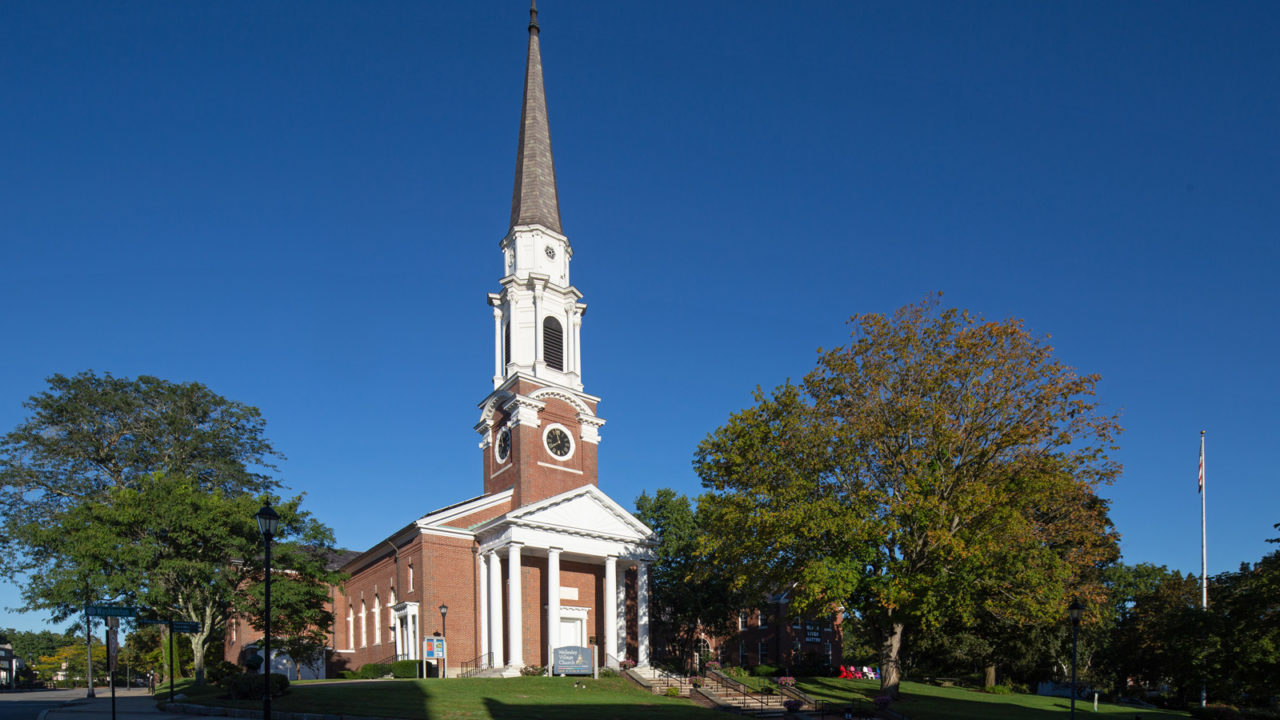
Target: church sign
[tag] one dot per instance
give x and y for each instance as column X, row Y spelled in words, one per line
column 573, row 660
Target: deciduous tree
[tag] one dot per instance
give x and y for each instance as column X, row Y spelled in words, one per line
column 940, row 467
column 689, row 594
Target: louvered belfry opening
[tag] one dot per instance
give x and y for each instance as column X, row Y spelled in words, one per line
column 553, row 344
column 506, row 345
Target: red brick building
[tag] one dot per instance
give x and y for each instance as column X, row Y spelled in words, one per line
column 542, row 558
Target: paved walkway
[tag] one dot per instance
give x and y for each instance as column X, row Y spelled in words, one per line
column 131, row 704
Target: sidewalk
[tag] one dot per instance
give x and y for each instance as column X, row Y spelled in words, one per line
column 131, row 704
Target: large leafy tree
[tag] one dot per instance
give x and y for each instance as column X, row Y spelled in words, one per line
column 143, row 491
column 89, row 433
column 940, row 468
column 193, row 554
column 690, row 596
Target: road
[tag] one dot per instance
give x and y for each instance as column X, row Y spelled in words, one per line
column 27, row 704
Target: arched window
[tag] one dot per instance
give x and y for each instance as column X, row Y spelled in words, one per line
column 351, row 627
column 377, row 621
column 364, row 624
column 553, row 344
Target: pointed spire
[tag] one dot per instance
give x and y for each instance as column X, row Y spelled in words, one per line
column 534, row 200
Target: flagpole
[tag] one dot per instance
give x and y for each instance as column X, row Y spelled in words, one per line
column 1204, row 555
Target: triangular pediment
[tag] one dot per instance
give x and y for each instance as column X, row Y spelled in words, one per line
column 584, row 510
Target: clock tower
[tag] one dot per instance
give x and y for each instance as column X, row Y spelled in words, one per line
column 539, row 430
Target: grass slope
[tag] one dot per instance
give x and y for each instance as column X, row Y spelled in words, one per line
column 926, row 702
column 525, row 698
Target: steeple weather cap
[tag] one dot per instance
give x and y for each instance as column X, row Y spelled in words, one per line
column 533, row 16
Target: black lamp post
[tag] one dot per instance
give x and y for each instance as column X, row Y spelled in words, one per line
column 444, row 634
column 268, row 520
column 1074, row 610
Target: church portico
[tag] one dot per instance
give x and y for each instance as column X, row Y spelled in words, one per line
column 566, row 551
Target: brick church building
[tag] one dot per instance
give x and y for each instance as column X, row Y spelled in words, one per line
column 541, row 558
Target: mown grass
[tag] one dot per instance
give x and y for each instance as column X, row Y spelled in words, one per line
column 926, row 702
column 525, row 698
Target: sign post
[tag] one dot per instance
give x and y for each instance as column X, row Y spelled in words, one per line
column 113, row 649
column 433, row 648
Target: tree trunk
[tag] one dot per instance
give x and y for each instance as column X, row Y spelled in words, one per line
column 989, row 676
column 198, row 642
column 890, row 668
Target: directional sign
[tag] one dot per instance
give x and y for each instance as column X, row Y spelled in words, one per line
column 149, row 621
column 111, row 611
column 184, row 626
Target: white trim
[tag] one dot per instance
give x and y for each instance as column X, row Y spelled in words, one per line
column 571, row 398
column 555, row 467
column 499, row 472
column 573, row 446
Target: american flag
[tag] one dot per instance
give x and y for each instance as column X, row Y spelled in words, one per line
column 1200, row 485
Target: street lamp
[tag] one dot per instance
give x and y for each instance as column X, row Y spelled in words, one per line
column 1074, row 610
column 268, row 521
column 444, row 634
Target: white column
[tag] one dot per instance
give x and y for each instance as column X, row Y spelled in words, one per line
column 553, row 604
column 495, row 608
column 497, row 346
column 482, row 578
column 515, row 607
column 642, row 613
column 395, row 633
column 611, row 609
column 621, row 640
column 577, row 343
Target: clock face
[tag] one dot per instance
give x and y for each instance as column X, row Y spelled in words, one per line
column 551, row 252
column 558, row 442
column 504, row 445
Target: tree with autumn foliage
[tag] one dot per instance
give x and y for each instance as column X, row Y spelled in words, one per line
column 941, row 469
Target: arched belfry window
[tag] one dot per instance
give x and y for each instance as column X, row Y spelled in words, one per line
column 553, row 344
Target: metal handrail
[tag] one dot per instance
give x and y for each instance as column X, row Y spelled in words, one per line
column 739, row 689
column 482, row 661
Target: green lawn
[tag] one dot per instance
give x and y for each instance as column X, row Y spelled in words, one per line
column 926, row 702
column 526, row 698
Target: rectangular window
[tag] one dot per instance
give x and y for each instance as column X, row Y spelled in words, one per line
column 742, row 621
column 410, row 580
column 764, row 618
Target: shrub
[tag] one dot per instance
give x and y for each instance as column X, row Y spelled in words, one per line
column 406, row 668
column 672, row 692
column 792, row 705
column 712, row 665
column 768, row 690
column 218, row 671
column 348, row 674
column 248, row 687
column 373, row 671
column 606, row 672
column 786, row 681
column 627, row 664
column 998, row 690
column 1214, row 712
column 764, row 671
column 735, row 672
column 533, row 670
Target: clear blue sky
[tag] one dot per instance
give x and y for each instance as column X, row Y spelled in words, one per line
column 299, row 204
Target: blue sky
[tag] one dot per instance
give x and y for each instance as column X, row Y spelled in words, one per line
column 299, row 204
